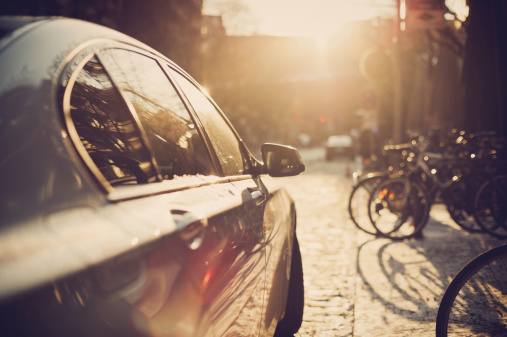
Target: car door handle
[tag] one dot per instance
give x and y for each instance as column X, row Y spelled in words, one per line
column 258, row 196
column 191, row 227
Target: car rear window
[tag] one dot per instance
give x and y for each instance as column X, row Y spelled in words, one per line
column 106, row 128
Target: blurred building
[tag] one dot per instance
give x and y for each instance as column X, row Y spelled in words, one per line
column 430, row 75
column 275, row 88
column 279, row 87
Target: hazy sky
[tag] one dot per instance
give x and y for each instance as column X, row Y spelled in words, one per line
column 314, row 18
column 305, row 17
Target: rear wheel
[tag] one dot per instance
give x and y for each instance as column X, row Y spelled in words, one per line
column 459, row 199
column 358, row 202
column 399, row 208
column 490, row 206
column 463, row 217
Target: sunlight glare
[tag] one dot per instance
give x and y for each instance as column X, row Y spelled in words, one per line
column 459, row 7
column 403, row 10
column 318, row 19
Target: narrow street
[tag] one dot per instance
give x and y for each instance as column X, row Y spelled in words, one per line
column 359, row 285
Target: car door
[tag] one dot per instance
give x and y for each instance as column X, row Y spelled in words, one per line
column 272, row 207
column 224, row 275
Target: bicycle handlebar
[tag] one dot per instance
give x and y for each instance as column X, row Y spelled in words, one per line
column 398, row 147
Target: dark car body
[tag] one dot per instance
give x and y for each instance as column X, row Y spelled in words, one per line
column 129, row 206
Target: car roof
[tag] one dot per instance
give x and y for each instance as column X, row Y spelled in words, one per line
column 15, row 24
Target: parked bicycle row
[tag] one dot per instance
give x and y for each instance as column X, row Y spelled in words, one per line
column 464, row 171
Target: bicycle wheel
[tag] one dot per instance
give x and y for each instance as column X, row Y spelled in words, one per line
column 358, row 201
column 399, row 208
column 459, row 200
column 464, row 218
column 475, row 303
column 490, row 206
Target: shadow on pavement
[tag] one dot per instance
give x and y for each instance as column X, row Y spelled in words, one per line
column 408, row 278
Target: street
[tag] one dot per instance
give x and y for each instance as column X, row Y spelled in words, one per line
column 359, row 285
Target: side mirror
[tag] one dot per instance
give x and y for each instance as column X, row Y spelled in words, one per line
column 281, row 160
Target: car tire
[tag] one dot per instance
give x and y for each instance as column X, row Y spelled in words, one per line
column 294, row 307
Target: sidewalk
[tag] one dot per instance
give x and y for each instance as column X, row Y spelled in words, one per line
column 357, row 285
column 399, row 284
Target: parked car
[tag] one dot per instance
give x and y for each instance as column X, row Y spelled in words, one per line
column 129, row 206
column 339, row 146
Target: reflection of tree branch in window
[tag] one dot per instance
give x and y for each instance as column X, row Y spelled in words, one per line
column 168, row 132
column 106, row 160
column 107, row 129
column 156, row 106
column 176, row 143
column 90, row 115
column 170, row 139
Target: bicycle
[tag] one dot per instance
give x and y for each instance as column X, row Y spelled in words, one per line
column 490, row 203
column 393, row 161
column 490, row 206
column 455, row 173
column 475, row 302
column 399, row 207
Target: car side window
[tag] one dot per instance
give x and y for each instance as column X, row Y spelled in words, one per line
column 174, row 139
column 223, row 139
column 106, row 128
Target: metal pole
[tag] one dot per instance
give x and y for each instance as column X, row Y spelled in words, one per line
column 398, row 81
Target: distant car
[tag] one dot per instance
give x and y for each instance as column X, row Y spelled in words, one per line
column 339, row 146
column 304, row 139
column 129, row 206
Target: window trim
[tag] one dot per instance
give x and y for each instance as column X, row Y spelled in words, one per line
column 75, row 62
column 161, row 187
column 133, row 113
column 76, row 69
column 71, row 128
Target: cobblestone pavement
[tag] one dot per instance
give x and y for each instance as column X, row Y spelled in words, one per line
column 359, row 285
